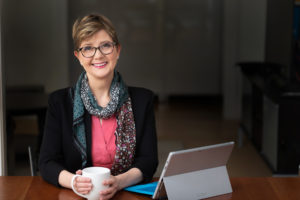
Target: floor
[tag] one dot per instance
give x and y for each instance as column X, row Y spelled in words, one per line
column 183, row 124
column 192, row 124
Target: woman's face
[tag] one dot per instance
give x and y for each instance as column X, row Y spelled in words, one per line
column 99, row 66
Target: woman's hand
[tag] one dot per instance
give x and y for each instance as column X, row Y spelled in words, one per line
column 82, row 184
column 113, row 186
column 116, row 183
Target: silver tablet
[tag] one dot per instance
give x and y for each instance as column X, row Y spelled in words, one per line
column 197, row 160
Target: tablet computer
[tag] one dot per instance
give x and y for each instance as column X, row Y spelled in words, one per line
column 195, row 173
column 191, row 174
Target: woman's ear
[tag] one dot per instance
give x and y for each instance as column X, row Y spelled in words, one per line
column 119, row 50
column 76, row 54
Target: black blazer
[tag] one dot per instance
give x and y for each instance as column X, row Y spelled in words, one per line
column 58, row 151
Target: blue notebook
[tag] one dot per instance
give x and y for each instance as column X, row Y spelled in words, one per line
column 147, row 188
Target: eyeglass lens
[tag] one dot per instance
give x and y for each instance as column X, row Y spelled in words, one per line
column 89, row 51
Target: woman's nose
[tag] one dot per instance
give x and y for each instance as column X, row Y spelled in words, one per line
column 98, row 53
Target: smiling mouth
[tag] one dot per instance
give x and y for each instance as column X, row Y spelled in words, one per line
column 100, row 65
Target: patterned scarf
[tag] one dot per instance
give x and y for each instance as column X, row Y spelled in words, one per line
column 120, row 105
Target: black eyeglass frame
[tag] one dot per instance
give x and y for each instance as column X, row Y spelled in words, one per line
column 95, row 49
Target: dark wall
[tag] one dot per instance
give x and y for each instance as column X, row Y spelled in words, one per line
column 279, row 34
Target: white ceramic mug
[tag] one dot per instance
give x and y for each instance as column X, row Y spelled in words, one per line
column 97, row 176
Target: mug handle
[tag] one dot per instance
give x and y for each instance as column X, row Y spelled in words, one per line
column 72, row 184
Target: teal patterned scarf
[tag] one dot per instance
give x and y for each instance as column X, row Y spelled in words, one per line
column 85, row 100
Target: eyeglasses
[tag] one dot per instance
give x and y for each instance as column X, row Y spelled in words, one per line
column 105, row 48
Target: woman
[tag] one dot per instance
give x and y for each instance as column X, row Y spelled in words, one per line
column 100, row 121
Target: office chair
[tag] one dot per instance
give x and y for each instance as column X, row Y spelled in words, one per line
column 32, row 163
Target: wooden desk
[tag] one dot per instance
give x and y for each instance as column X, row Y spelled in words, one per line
column 32, row 188
column 35, row 188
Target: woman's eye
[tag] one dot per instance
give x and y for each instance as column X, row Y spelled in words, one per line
column 88, row 48
column 106, row 45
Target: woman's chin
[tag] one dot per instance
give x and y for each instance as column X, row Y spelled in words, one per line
column 102, row 74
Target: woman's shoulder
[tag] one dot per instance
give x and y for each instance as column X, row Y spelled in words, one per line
column 140, row 92
column 141, row 97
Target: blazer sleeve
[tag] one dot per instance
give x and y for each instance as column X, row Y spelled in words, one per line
column 51, row 159
column 146, row 158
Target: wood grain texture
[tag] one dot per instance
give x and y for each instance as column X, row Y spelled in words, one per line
column 245, row 188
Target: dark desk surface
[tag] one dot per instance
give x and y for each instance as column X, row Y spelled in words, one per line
column 31, row 188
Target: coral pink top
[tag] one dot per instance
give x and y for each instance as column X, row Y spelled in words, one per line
column 103, row 141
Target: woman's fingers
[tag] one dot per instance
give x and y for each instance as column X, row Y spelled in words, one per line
column 112, row 184
column 83, row 190
column 79, row 172
column 82, row 179
column 107, row 193
column 109, row 182
column 83, row 185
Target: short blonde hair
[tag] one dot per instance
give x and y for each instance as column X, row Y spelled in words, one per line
column 87, row 26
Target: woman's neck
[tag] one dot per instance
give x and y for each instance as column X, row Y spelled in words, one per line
column 101, row 89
